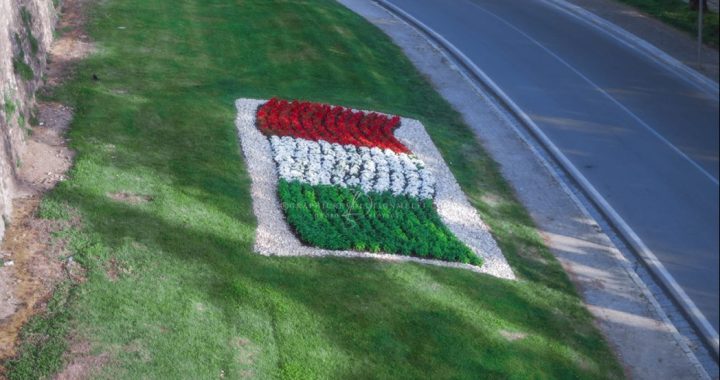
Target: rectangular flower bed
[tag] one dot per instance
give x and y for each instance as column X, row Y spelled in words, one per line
column 329, row 180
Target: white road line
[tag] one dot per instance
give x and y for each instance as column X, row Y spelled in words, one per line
column 603, row 92
column 656, row 55
column 692, row 312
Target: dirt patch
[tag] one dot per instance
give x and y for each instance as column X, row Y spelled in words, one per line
column 38, row 260
column 72, row 45
column 36, row 266
column 246, row 354
column 129, row 197
column 46, row 157
column 139, row 351
column 27, row 284
column 82, row 364
column 113, row 270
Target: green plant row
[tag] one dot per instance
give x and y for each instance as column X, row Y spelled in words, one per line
column 339, row 218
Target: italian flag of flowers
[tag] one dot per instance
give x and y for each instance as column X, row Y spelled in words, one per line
column 346, row 182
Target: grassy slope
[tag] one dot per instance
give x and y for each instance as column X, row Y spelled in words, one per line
column 192, row 300
column 677, row 14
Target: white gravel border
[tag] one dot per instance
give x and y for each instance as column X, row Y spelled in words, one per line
column 274, row 237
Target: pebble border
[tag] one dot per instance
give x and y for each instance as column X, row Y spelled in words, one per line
column 273, row 236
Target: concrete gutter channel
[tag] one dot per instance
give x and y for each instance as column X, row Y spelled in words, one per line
column 625, row 309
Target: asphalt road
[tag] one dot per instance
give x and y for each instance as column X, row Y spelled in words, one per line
column 643, row 136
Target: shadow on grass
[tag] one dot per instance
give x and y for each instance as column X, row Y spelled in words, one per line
column 191, row 299
column 400, row 319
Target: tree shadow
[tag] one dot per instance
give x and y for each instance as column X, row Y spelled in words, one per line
column 170, row 134
column 382, row 314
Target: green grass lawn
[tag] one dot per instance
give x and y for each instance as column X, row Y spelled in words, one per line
column 191, row 300
column 678, row 14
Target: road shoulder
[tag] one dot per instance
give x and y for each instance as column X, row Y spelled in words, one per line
column 646, row 342
column 666, row 38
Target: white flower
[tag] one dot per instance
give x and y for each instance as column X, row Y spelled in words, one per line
column 371, row 169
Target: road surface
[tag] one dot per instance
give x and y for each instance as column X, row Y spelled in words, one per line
column 644, row 137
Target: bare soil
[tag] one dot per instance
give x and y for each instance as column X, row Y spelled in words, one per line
column 72, row 45
column 130, row 198
column 32, row 261
column 82, row 364
column 46, row 157
column 28, row 283
column 28, row 243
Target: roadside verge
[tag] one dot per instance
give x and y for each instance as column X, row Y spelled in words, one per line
column 688, row 307
column 672, row 63
column 626, row 311
column 167, row 231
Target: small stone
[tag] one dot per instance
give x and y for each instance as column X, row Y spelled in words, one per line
column 9, row 263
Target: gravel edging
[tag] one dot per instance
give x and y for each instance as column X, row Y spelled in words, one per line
column 273, row 235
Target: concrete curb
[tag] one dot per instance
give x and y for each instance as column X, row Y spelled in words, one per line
column 699, row 322
column 628, row 39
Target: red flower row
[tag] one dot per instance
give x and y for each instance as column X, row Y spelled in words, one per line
column 314, row 121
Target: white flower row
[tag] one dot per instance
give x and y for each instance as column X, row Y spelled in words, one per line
column 371, row 169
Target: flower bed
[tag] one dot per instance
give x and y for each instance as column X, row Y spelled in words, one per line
column 329, row 180
column 346, row 182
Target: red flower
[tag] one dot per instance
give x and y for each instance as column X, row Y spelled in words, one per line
column 314, row 121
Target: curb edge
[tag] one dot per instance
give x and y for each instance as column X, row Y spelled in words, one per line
column 698, row 321
column 628, row 39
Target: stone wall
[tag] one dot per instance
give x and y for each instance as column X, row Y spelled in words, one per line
column 26, row 32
